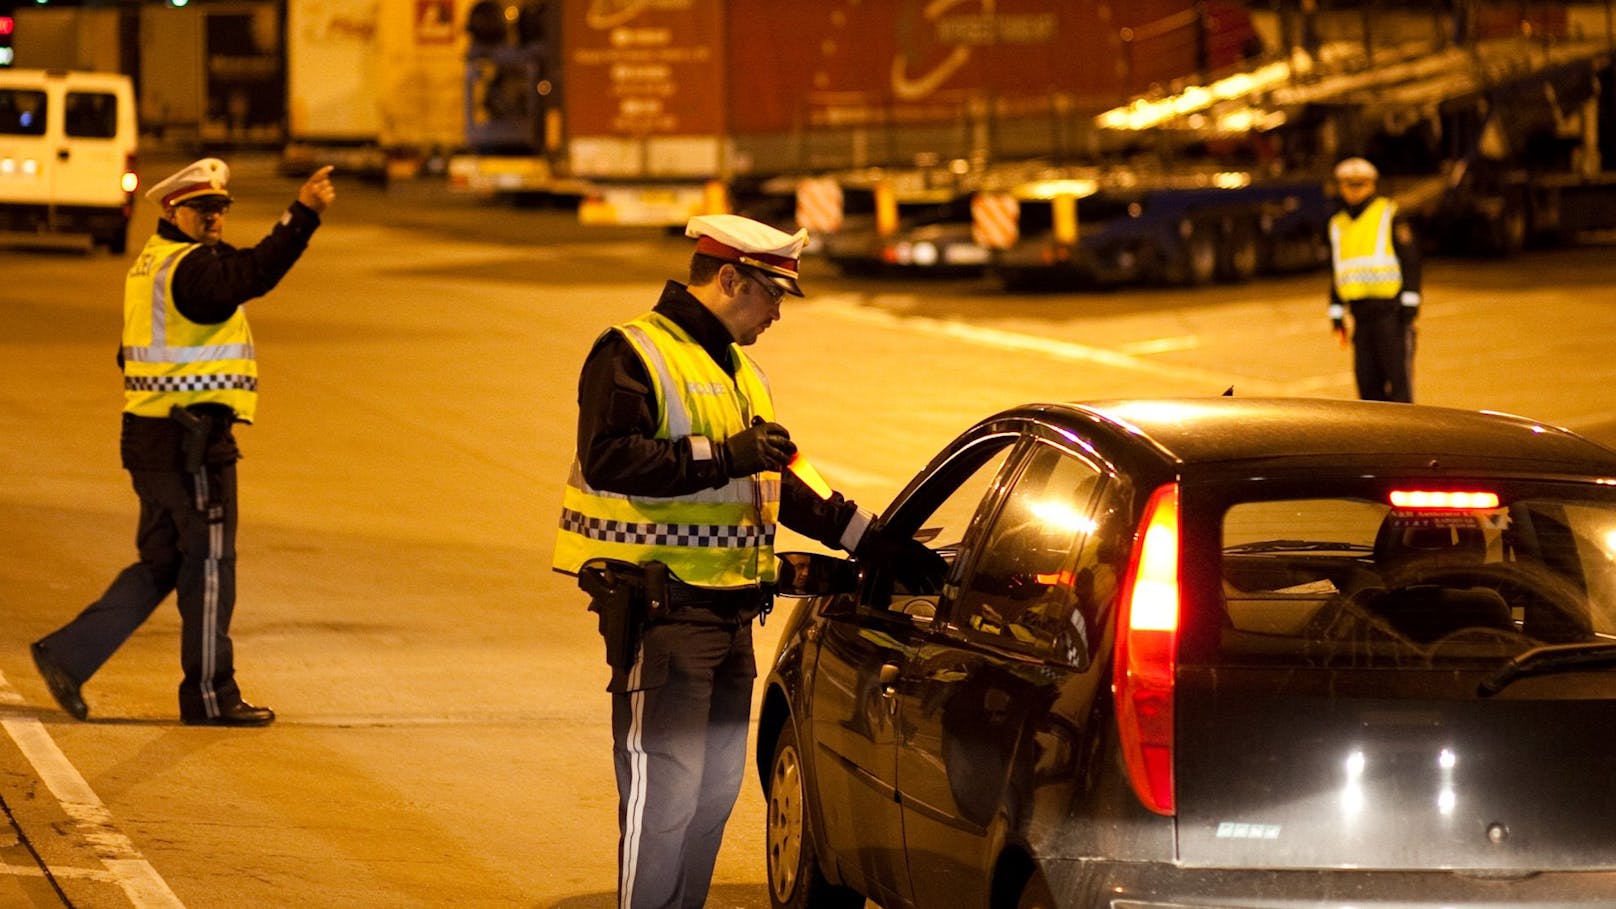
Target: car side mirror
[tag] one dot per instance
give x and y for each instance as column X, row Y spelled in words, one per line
column 814, row 574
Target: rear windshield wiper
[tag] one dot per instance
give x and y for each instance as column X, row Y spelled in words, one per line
column 1298, row 546
column 1551, row 658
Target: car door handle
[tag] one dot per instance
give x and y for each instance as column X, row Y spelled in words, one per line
column 889, row 679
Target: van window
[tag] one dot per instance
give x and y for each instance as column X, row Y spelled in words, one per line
column 91, row 115
column 22, row 112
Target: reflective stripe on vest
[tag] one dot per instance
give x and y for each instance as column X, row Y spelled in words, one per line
column 168, row 359
column 1361, row 252
column 718, row 538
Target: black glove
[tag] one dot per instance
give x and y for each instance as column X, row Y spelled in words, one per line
column 914, row 565
column 764, row 446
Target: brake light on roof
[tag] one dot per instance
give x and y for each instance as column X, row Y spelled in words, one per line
column 1448, row 499
column 1147, row 653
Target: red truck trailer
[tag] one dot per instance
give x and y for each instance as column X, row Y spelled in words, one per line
column 653, row 111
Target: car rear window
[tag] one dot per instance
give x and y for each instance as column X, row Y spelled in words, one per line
column 1354, row 580
column 22, row 112
column 90, row 115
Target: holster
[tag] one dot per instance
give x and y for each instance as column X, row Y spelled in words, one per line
column 625, row 598
column 197, row 428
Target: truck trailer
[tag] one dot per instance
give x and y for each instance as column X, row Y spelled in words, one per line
column 374, row 86
column 652, row 112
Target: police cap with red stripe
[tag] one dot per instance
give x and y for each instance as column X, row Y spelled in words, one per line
column 771, row 252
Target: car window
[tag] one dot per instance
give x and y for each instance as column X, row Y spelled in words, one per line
column 940, row 514
column 90, row 115
column 22, row 112
column 1354, row 580
column 1022, row 590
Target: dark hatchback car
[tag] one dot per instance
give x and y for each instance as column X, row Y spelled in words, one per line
column 1208, row 654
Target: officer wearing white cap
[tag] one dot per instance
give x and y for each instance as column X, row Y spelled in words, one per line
column 668, row 520
column 1375, row 266
column 190, row 373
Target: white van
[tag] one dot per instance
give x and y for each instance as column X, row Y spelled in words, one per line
column 68, row 144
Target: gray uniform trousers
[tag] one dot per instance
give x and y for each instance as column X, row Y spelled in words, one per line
column 679, row 726
column 181, row 550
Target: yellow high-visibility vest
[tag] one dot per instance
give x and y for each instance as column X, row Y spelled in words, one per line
column 717, row 538
column 1361, row 252
column 167, row 358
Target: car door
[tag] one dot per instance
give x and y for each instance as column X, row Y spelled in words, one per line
column 973, row 694
column 863, row 651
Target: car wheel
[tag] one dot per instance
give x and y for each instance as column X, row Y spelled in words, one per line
column 1036, row 894
column 795, row 879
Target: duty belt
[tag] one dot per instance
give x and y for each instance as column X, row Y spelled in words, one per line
column 742, row 604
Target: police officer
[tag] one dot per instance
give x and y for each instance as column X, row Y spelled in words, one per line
column 678, row 478
column 1376, row 269
column 190, row 373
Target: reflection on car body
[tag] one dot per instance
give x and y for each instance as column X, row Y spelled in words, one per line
column 1212, row 653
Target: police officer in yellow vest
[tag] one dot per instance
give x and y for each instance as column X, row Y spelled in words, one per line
column 1376, row 268
column 189, row 373
column 677, row 487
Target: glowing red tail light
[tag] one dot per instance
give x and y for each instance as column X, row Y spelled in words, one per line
column 1147, row 653
column 1446, row 499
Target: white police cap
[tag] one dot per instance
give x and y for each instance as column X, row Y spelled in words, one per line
column 1356, row 169
column 207, row 177
column 734, row 238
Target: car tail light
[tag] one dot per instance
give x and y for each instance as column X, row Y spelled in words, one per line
column 1457, row 500
column 1147, row 653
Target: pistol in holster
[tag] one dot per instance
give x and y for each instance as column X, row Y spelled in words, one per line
column 198, row 429
column 626, row 598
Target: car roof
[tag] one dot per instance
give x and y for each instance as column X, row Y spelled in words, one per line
column 1300, row 431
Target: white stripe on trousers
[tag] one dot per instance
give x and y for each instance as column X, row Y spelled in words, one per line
column 634, row 812
column 210, row 597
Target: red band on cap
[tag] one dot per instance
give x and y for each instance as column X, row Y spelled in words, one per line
column 193, row 191
column 707, row 246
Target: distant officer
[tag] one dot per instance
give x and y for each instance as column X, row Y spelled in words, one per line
column 190, row 373
column 1376, row 269
column 668, row 520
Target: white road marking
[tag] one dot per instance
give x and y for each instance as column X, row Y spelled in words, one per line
column 125, row 866
column 846, row 306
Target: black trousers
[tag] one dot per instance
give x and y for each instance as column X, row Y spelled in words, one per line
column 679, row 725
column 1383, row 351
column 186, row 541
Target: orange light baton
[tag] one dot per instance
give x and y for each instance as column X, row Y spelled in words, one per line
column 805, row 472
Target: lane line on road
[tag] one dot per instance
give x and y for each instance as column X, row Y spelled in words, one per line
column 846, row 306
column 126, row 867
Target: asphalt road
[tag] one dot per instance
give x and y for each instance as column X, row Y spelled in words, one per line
column 443, row 735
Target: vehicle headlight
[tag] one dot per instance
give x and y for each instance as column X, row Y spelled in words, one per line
column 924, row 253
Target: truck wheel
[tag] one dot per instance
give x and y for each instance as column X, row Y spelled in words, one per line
column 795, row 878
column 1238, row 255
column 1509, row 231
column 1200, row 262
